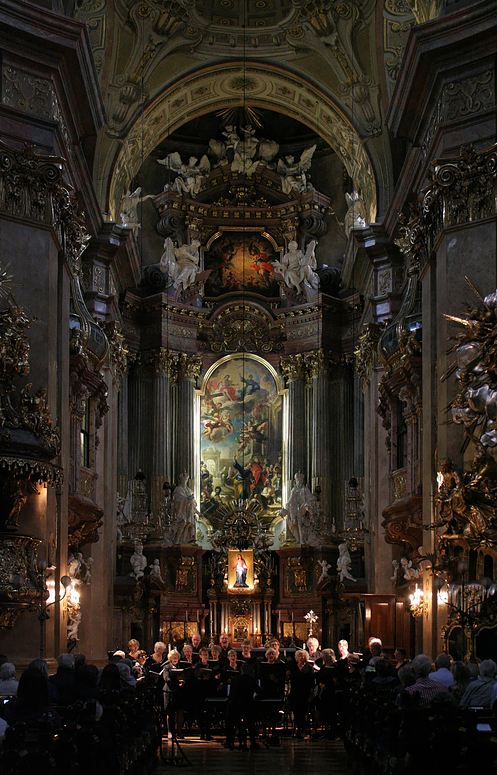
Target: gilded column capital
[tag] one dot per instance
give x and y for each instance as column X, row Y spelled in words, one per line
column 292, row 366
column 160, row 361
column 184, row 366
column 365, row 352
column 317, row 364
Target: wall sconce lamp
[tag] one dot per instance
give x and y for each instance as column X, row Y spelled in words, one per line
column 65, row 582
column 417, row 605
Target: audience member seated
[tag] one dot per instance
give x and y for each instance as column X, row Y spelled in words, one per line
column 462, row 677
column 442, row 672
column 86, row 682
column 127, row 680
column 479, row 693
column 41, row 666
column 8, row 683
column 31, row 705
column 110, row 680
column 400, row 656
column 385, row 681
column 63, row 680
column 424, row 688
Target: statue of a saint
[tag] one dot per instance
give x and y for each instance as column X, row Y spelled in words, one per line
column 184, row 512
column 189, row 179
column 293, row 177
column 300, row 511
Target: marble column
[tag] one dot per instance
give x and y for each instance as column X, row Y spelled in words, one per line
column 160, row 363
column 294, row 431
column 134, row 420
column 188, row 369
column 331, row 430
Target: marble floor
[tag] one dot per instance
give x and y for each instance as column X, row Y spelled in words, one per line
column 292, row 757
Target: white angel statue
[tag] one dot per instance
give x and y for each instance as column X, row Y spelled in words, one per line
column 297, row 267
column 289, row 267
column 190, row 175
column 167, row 263
column 293, row 177
column 308, row 265
column 245, row 150
column 129, row 209
column 187, row 262
column 181, row 264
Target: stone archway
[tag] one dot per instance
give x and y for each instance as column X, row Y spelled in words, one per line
column 227, row 85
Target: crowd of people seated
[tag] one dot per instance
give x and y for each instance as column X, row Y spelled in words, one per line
column 378, row 706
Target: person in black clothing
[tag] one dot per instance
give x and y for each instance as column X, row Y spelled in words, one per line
column 325, row 693
column 63, row 680
column 272, row 681
column 202, row 688
column 224, row 642
column 229, row 672
column 301, row 689
column 241, row 709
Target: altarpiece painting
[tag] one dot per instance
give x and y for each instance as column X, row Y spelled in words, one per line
column 241, row 435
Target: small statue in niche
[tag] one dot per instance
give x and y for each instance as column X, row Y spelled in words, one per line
column 293, row 177
column 190, row 176
column 129, row 209
column 344, row 563
column 138, row 561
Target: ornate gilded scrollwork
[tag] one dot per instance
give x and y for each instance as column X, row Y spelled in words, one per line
column 365, row 352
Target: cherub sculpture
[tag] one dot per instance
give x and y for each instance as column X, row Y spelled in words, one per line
column 325, row 567
column 293, row 177
column 344, row 563
column 189, row 179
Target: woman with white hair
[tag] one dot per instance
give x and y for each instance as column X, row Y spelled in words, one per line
column 8, row 683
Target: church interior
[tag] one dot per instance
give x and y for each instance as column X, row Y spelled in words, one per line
column 248, row 325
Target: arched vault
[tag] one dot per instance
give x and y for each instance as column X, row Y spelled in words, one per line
column 260, row 86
